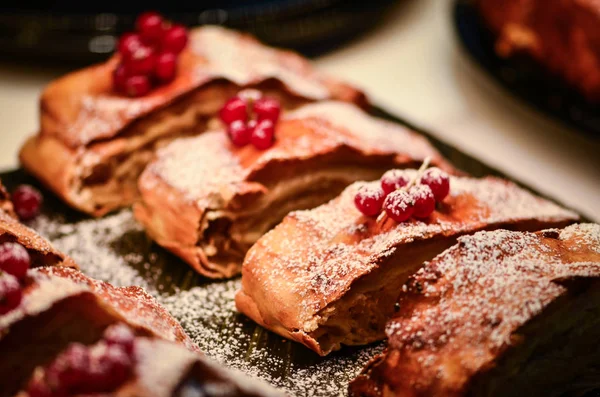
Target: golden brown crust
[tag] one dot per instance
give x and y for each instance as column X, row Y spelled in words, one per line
column 329, row 276
column 466, row 317
column 93, row 144
column 562, row 35
column 63, row 306
column 204, row 188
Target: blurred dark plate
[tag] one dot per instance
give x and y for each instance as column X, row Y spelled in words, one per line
column 87, row 32
column 522, row 76
column 116, row 249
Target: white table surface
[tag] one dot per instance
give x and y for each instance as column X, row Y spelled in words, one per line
column 413, row 66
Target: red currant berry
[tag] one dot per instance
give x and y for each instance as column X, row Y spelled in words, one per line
column 141, row 61
column 10, row 293
column 369, row 200
column 38, row 388
column 174, row 39
column 424, row 200
column 128, row 43
column 27, row 201
column 239, row 133
column 149, row 24
column 234, row 109
column 111, row 369
column 14, row 259
column 166, row 67
column 438, row 181
column 394, row 180
column 119, row 78
column 71, row 369
column 263, row 135
column 399, row 205
column 267, row 109
column 120, row 335
column 137, row 86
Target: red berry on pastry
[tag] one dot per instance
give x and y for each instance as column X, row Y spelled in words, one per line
column 424, row 200
column 114, row 367
column 263, row 134
column 393, row 180
column 14, row 259
column 70, row 371
column 369, row 200
column 149, row 24
column 128, row 43
column 438, row 181
column 399, row 205
column 166, row 67
column 10, row 293
column 174, row 39
column 136, row 86
column 239, row 133
column 120, row 335
column 267, row 109
column 234, row 109
column 119, row 78
column 38, row 388
column 141, row 61
column 27, row 201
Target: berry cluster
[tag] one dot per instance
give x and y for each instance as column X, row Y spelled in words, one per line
column 27, row 202
column 148, row 56
column 404, row 194
column 14, row 263
column 251, row 118
column 88, row 370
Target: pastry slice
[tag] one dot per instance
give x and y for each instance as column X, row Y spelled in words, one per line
column 330, row 276
column 157, row 368
column 93, row 143
column 499, row 314
column 208, row 201
column 5, row 203
column 61, row 305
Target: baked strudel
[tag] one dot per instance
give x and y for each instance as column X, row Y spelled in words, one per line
column 60, row 306
column 208, row 201
column 152, row 368
column 499, row 314
column 330, row 276
column 93, row 143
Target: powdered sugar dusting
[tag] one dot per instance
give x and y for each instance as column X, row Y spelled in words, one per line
column 468, row 301
column 206, row 311
column 340, row 245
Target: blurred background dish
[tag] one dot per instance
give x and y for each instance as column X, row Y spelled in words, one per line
column 88, row 31
column 516, row 69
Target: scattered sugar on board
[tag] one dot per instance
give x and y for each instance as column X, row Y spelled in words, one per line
column 115, row 249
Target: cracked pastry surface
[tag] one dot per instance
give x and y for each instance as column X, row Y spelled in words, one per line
column 330, row 276
column 93, row 144
column 60, row 306
column 499, row 314
column 208, row 201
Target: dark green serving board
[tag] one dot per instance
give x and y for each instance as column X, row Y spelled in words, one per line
column 115, row 249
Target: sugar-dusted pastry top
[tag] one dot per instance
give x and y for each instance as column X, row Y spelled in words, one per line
column 461, row 311
column 41, row 251
column 47, row 286
column 313, row 257
column 210, row 169
column 81, row 107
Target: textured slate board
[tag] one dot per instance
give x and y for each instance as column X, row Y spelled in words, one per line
column 116, row 249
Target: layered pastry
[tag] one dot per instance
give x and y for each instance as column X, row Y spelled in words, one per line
column 94, row 142
column 499, row 314
column 562, row 35
column 133, row 366
column 330, row 276
column 208, row 201
column 59, row 306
